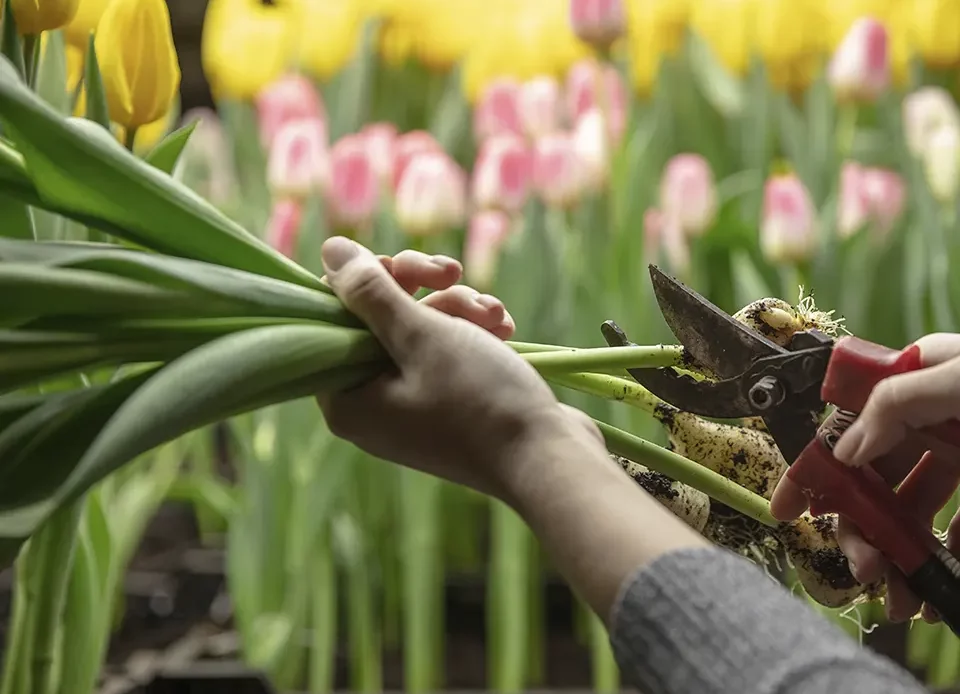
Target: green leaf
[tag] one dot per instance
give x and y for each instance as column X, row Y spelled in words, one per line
column 16, row 220
column 167, row 152
column 220, row 287
column 52, row 73
column 77, row 166
column 96, row 96
column 233, row 374
column 10, row 46
column 724, row 91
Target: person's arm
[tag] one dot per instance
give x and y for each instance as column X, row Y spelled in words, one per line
column 685, row 617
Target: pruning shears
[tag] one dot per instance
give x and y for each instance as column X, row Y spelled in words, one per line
column 789, row 388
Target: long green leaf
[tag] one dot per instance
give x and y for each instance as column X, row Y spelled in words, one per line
column 230, row 375
column 166, row 153
column 52, row 73
column 258, row 295
column 16, row 220
column 78, row 166
column 10, row 46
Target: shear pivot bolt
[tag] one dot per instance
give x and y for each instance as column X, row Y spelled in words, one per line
column 766, row 393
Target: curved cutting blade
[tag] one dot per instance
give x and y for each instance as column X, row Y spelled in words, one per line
column 717, row 399
column 711, row 336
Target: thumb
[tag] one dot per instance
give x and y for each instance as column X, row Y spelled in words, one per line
column 370, row 292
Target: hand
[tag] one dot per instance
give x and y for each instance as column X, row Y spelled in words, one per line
column 459, row 404
column 882, row 437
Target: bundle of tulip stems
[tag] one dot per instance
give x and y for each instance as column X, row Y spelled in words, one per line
column 110, row 350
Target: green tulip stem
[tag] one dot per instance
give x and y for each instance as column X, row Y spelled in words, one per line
column 130, row 138
column 678, row 468
column 31, row 58
column 603, row 359
column 608, row 388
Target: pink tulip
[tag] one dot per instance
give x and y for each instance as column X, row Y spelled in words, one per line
column 354, row 188
column 688, row 194
column 663, row 238
column 887, row 193
column 540, row 106
column 498, row 111
column 381, row 139
column 502, row 174
column 924, row 112
column 557, row 176
column 592, row 145
column 598, row 22
column 284, row 225
column 298, row 164
column 292, row 97
column 409, row 145
column 860, row 68
column 432, row 195
column 788, row 228
column 486, row 235
column 592, row 85
column 869, row 197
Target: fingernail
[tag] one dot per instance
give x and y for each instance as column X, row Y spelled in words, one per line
column 488, row 302
column 445, row 262
column 853, row 570
column 337, row 252
column 848, row 444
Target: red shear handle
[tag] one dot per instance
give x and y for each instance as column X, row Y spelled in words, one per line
column 862, row 496
column 857, row 366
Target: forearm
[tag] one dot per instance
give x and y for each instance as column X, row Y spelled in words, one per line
column 597, row 525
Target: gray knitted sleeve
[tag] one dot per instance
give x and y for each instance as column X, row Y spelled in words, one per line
column 705, row 621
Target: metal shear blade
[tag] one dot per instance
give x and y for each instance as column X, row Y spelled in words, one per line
column 717, row 341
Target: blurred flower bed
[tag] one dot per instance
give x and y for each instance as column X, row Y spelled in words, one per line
column 556, row 147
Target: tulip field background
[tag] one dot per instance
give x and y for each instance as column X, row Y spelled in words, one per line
column 711, row 137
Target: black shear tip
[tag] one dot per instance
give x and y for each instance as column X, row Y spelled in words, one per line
column 614, row 335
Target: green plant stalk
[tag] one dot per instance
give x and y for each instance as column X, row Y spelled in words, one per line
column 536, row 597
column 608, row 387
column 422, row 580
column 688, row 472
column 323, row 647
column 606, row 673
column 16, row 674
column 366, row 669
column 509, row 614
column 603, row 358
column 49, row 572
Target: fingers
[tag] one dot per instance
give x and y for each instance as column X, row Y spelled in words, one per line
column 901, row 603
column 866, row 562
column 369, row 291
column 910, row 400
column 788, row 501
column 937, row 348
column 413, row 270
column 483, row 310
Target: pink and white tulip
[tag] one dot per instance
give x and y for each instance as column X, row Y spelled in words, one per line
column 688, row 195
column 354, row 194
column 486, row 235
column 432, row 195
column 407, row 146
column 498, row 110
column 292, row 97
column 540, row 106
column 283, row 227
column 860, row 68
column 788, row 227
column 382, row 140
column 557, row 175
column 598, row 22
column 593, row 148
column 502, row 175
column 299, row 164
column 591, row 85
column 869, row 197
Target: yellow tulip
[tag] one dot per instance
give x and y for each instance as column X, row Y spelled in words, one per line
column 446, row 32
column 329, row 36
column 245, row 46
column 936, row 30
column 729, row 28
column 138, row 61
column 37, row 16
column 89, row 12
column 841, row 14
column 656, row 29
column 788, row 31
column 396, row 42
